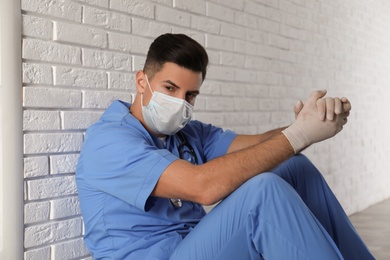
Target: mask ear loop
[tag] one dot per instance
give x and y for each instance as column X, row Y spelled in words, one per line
column 147, row 81
column 142, row 94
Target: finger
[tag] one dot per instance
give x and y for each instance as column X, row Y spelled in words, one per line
column 346, row 104
column 321, row 106
column 338, row 106
column 298, row 107
column 329, row 108
column 317, row 94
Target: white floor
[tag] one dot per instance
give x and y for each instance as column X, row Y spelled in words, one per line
column 373, row 225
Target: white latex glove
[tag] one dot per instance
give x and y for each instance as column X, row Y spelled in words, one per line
column 329, row 107
column 309, row 128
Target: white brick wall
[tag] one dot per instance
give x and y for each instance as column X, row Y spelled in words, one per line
column 79, row 55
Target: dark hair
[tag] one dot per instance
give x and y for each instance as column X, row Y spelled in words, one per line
column 179, row 49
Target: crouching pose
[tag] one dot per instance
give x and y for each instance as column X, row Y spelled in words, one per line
column 146, row 169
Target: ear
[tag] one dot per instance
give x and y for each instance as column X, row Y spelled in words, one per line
column 140, row 81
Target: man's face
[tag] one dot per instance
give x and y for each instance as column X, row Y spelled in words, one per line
column 175, row 81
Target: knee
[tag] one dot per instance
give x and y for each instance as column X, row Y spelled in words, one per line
column 262, row 182
column 301, row 160
column 298, row 170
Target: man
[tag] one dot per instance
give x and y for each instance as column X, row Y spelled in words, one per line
column 146, row 169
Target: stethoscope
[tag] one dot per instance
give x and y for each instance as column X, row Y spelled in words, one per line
column 183, row 144
column 177, row 202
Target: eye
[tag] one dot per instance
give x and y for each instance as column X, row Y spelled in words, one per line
column 170, row 88
column 190, row 97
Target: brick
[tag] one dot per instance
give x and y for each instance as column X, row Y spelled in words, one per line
column 128, row 43
column 122, row 81
column 287, row 6
column 220, row 73
column 220, row 12
column 256, row 63
column 191, row 6
column 70, row 250
column 288, row 31
column 257, row 91
column 245, row 47
column 106, row 60
column 267, row 51
column 137, row 7
column 268, row 78
column 149, row 28
column 254, row 8
column 164, row 2
column 214, row 57
column 279, row 42
column 66, row 32
column 40, row 120
column 293, row 21
column 37, row 27
column 138, row 62
column 36, row 166
column 232, row 30
column 259, row 118
column 74, row 120
column 51, row 97
column 245, row 104
column 234, row 4
column 37, row 73
column 269, row 104
column 95, row 99
column 37, row 254
column 62, row 208
column 219, row 43
column 60, row 8
column 220, row 104
column 246, row 20
column 106, row 19
column 209, row 118
column 205, row 24
column 52, row 143
column 74, row 77
column 273, row 14
column 281, row 118
column 278, row 92
column 101, row 3
column 36, row 212
column 266, row 25
column 246, row 130
column 51, row 52
column 200, row 104
column 245, row 75
column 63, row 163
column 211, row 87
column 172, row 16
column 52, row 232
column 51, row 187
column 235, row 118
column 233, row 89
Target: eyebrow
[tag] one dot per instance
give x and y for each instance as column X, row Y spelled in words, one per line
column 176, row 86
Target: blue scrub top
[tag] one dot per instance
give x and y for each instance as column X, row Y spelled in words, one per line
column 119, row 166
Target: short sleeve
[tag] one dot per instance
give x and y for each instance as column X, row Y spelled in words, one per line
column 213, row 141
column 123, row 161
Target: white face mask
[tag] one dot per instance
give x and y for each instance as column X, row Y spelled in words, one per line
column 165, row 114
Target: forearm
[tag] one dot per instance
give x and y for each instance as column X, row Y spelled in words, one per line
column 245, row 141
column 225, row 174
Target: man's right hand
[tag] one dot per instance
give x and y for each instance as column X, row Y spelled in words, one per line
column 310, row 128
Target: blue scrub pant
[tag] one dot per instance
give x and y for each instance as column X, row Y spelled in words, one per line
column 290, row 213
